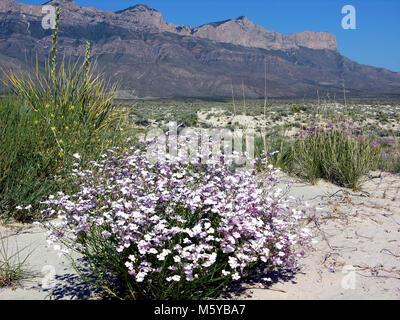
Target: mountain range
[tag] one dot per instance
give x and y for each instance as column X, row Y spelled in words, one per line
column 152, row 58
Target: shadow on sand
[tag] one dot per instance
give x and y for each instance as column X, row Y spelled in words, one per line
column 238, row 289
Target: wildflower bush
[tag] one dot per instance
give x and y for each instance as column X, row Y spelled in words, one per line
column 51, row 115
column 174, row 230
column 337, row 152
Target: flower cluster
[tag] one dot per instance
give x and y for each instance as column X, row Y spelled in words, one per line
column 174, row 222
column 343, row 126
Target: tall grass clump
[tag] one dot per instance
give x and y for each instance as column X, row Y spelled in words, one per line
column 53, row 115
column 274, row 146
column 390, row 156
column 13, row 266
column 175, row 230
column 337, row 152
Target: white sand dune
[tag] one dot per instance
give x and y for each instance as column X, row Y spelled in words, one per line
column 358, row 251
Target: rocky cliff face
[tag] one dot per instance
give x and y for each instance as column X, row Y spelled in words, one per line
column 244, row 32
column 151, row 57
column 240, row 31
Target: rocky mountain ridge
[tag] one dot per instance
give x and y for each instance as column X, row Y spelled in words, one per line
column 153, row 58
column 240, row 31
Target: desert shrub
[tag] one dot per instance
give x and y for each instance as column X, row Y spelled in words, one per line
column 297, row 109
column 382, row 117
column 142, row 122
column 68, row 109
column 188, row 121
column 173, row 230
column 337, row 152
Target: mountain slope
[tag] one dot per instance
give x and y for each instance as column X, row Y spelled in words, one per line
column 153, row 58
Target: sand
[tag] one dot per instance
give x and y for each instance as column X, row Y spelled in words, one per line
column 358, row 251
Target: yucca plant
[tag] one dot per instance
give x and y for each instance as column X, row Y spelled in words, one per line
column 66, row 109
column 68, row 84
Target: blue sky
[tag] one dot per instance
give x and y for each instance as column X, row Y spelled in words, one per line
column 376, row 41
